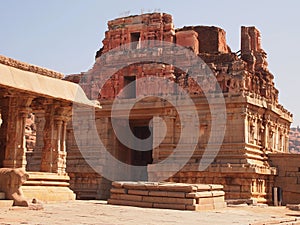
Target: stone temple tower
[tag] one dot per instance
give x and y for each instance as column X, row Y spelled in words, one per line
column 256, row 124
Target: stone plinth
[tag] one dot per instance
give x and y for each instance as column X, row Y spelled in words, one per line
column 48, row 187
column 168, row 195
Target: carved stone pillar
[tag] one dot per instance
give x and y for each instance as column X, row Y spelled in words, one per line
column 15, row 152
column 34, row 158
column 54, row 150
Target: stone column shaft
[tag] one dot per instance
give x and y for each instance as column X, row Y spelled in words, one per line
column 54, row 151
column 15, row 152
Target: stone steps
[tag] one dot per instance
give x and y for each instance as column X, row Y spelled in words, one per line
column 46, row 179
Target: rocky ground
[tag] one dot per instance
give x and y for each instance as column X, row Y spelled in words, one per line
column 98, row 212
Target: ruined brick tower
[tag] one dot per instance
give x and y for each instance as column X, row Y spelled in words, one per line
column 256, row 123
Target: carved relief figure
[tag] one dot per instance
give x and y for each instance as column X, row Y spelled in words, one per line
column 252, row 132
column 223, row 79
column 235, row 83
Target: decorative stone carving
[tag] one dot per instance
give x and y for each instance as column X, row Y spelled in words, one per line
column 11, row 181
column 54, row 150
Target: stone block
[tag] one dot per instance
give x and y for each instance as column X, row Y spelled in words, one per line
column 167, row 194
column 219, row 199
column 117, row 184
column 215, row 187
column 205, row 201
column 219, row 205
column 127, row 197
column 168, row 200
column 211, row 39
column 234, row 188
column 201, row 207
column 290, row 197
column 118, row 191
column 292, row 188
column 134, row 186
column 48, row 193
column 202, row 194
column 205, row 187
column 188, row 38
column 169, row 206
column 130, row 203
column 138, row 192
column 218, row 193
column 292, row 173
column 177, row 187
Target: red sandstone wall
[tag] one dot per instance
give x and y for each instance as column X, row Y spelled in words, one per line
column 154, row 26
column 211, row 39
column 188, row 39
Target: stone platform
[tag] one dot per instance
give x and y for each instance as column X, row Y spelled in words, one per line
column 168, row 195
column 47, row 187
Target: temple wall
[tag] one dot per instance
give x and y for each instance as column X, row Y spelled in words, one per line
column 84, row 181
column 288, row 178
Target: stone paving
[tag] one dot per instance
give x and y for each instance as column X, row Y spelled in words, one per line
column 98, row 212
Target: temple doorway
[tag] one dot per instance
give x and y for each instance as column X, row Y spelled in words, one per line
column 141, row 130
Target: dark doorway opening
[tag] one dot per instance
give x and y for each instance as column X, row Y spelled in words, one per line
column 135, row 40
column 126, row 154
column 142, row 158
column 130, row 90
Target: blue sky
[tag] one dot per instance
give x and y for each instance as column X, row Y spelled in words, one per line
column 64, row 35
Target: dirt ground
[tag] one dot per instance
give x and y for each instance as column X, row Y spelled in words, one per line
column 98, row 212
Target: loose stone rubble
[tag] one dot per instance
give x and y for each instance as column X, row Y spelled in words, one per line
column 168, row 195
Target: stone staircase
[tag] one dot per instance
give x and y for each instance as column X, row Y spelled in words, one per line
column 4, row 202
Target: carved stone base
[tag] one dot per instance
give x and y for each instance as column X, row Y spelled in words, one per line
column 48, row 187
